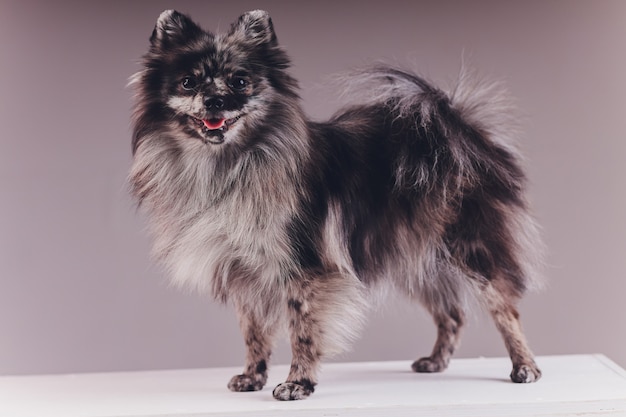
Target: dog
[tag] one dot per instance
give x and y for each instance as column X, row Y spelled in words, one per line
column 299, row 224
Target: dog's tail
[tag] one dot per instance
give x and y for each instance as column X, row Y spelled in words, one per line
column 485, row 105
column 465, row 125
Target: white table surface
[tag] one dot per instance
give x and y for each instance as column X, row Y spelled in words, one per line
column 576, row 385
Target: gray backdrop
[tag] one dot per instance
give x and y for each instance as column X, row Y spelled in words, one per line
column 77, row 290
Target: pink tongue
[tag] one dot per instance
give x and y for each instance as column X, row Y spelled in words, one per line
column 213, row 124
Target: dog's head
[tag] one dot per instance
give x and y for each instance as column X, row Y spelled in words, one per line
column 215, row 88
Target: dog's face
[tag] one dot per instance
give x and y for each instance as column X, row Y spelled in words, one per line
column 213, row 88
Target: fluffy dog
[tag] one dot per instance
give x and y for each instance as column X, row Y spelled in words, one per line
column 297, row 223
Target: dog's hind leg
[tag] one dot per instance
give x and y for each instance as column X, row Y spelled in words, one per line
column 449, row 323
column 502, row 306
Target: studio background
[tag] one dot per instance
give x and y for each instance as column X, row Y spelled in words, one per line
column 78, row 291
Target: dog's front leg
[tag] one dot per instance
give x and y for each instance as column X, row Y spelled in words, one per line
column 306, row 337
column 258, row 336
column 324, row 314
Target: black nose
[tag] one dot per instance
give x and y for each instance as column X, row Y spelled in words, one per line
column 214, row 103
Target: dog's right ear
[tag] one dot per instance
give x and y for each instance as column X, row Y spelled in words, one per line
column 173, row 29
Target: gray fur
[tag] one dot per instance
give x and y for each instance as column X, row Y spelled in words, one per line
column 263, row 213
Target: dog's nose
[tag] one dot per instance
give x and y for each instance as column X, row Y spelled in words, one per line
column 215, row 103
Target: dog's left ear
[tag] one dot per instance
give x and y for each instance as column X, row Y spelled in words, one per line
column 255, row 27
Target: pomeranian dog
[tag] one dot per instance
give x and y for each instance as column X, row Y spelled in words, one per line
column 299, row 223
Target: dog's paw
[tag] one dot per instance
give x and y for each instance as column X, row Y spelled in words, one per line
column 289, row 391
column 242, row 383
column 429, row 365
column 525, row 373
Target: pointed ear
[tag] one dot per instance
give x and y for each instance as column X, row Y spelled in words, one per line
column 173, row 28
column 255, row 27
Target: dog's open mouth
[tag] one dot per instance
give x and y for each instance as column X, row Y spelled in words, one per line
column 213, row 124
column 214, row 127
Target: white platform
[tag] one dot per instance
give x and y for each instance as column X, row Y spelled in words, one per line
column 576, row 385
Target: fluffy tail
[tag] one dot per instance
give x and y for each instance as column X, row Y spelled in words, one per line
column 484, row 104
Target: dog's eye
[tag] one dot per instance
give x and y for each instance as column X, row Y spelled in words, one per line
column 238, row 83
column 188, row 83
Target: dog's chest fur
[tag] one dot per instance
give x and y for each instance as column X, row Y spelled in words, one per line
column 213, row 226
